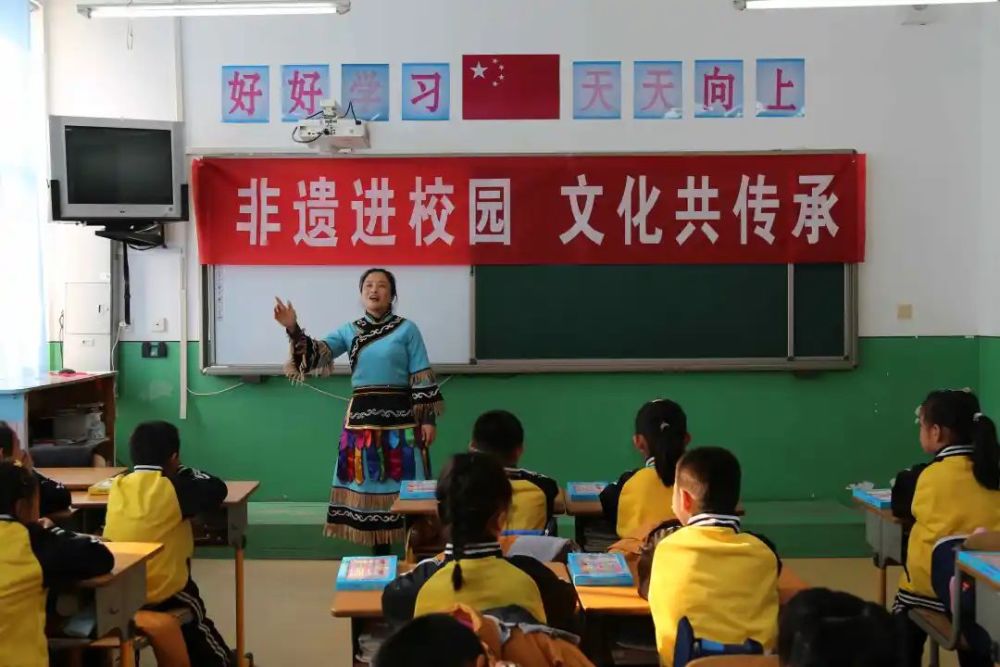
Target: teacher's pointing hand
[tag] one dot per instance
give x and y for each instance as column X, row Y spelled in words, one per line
column 284, row 314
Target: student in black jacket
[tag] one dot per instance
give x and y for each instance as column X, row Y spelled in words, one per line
column 53, row 496
column 34, row 556
column 474, row 497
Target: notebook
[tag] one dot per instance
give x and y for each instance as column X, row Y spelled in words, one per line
column 599, row 570
column 988, row 563
column 877, row 498
column 101, row 488
column 366, row 573
column 584, row 491
column 418, row 490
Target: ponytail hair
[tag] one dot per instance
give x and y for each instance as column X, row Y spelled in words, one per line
column 16, row 484
column 663, row 424
column 959, row 412
column 473, row 489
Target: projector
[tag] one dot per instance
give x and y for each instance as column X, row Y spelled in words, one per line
column 331, row 132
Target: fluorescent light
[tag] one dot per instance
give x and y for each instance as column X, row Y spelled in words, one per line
column 244, row 8
column 816, row 4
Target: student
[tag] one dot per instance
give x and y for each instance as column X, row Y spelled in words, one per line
column 958, row 492
column 722, row 580
column 154, row 503
column 642, row 498
column 824, row 628
column 435, row 640
column 53, row 496
column 500, row 434
column 34, row 556
column 474, row 498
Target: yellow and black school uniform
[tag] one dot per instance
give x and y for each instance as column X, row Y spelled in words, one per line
column 943, row 499
column 533, row 505
column 32, row 559
column 490, row 583
column 723, row 580
column 146, row 506
column 637, row 500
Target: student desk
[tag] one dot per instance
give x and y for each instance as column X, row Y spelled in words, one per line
column 984, row 567
column 225, row 527
column 80, row 479
column 600, row 602
column 421, row 508
column 884, row 534
column 366, row 606
column 118, row 595
column 584, row 513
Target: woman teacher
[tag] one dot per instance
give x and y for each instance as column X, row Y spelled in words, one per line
column 394, row 390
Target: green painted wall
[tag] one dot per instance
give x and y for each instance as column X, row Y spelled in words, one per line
column 798, row 437
column 989, row 375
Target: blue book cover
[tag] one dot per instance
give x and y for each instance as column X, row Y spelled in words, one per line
column 599, row 570
column 878, row 498
column 366, row 573
column 584, row 491
column 988, row 563
column 418, row 490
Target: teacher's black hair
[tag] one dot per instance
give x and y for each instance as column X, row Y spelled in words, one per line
column 388, row 274
column 959, row 412
column 473, row 489
column 16, row 484
column 663, row 424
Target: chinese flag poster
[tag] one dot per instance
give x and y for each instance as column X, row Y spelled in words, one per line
column 510, row 87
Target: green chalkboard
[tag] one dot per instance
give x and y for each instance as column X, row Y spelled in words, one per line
column 656, row 312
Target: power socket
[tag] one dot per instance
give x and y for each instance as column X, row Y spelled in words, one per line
column 154, row 350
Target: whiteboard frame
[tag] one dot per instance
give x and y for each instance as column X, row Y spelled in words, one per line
column 517, row 366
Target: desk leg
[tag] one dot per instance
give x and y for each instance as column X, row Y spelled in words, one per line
column 882, row 585
column 240, row 638
column 127, row 653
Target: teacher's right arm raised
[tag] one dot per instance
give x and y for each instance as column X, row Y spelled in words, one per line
column 307, row 354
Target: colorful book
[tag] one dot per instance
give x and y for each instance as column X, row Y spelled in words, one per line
column 877, row 498
column 366, row 573
column 584, row 491
column 599, row 570
column 101, row 488
column 418, row 490
column 987, row 563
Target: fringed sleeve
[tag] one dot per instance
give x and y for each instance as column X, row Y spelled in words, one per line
column 307, row 356
column 428, row 402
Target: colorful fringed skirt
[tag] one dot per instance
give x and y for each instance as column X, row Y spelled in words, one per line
column 376, row 453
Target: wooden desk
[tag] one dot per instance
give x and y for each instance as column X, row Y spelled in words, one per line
column 118, row 595
column 80, row 479
column 973, row 564
column 884, row 534
column 225, row 527
column 429, row 507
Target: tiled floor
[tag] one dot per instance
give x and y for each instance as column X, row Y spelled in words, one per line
column 288, row 618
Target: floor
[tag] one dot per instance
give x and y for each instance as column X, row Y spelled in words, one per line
column 288, row 618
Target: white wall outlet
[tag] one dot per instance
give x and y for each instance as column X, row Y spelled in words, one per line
column 159, row 325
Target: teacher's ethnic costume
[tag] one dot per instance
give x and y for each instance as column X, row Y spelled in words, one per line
column 394, row 389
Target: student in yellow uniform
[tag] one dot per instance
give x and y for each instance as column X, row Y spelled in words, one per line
column 953, row 495
column 53, row 496
column 641, row 498
column 34, row 556
column 500, row 434
column 709, row 573
column 155, row 503
column 474, row 498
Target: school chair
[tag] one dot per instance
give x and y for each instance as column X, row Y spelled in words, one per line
column 945, row 630
column 160, row 630
column 689, row 648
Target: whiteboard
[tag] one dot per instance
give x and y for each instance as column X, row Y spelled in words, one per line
column 437, row 298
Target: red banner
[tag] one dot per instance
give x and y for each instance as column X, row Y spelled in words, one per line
column 533, row 209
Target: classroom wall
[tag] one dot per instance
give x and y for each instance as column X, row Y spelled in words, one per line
column 910, row 96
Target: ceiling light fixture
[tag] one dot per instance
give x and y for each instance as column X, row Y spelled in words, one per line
column 239, row 8
column 817, row 4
